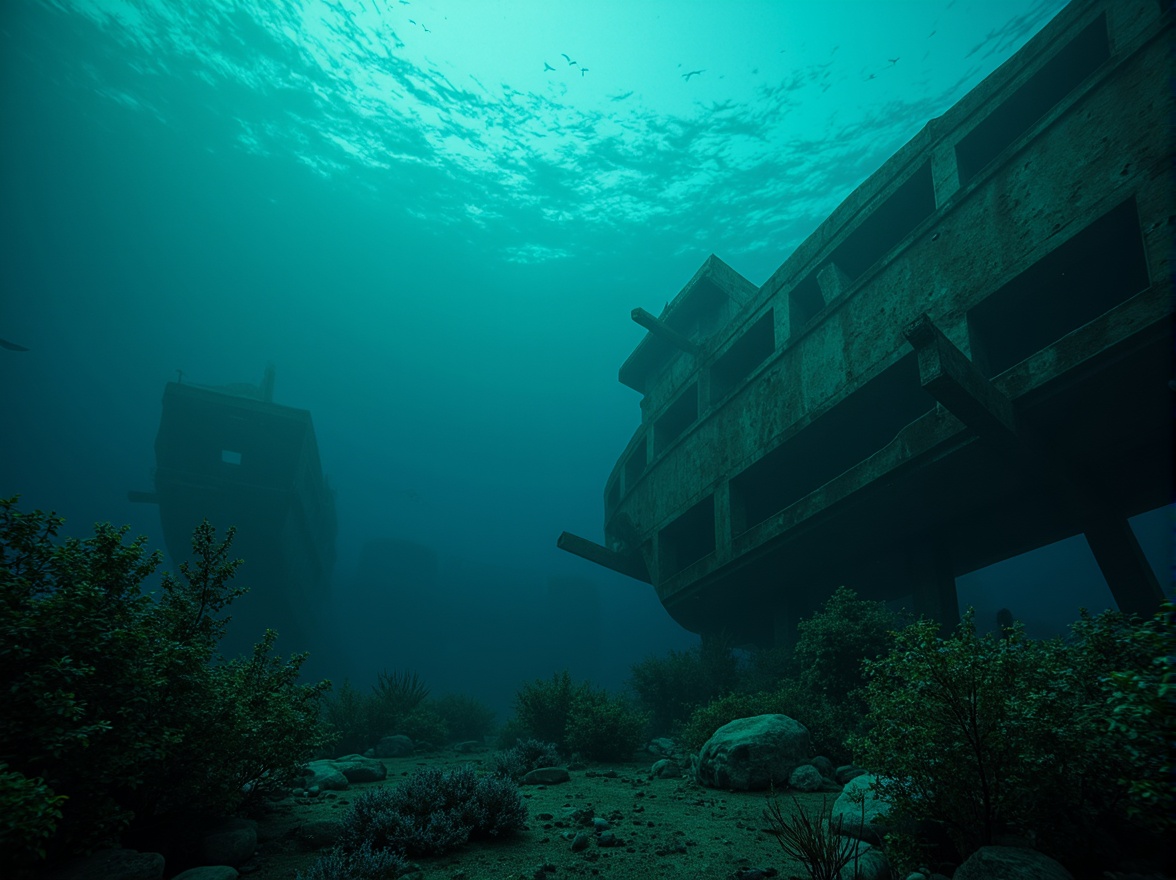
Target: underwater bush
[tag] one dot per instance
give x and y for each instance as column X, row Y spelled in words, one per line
column 433, row 812
column 424, row 725
column 1128, row 666
column 602, row 727
column 542, row 707
column 29, row 813
column 392, row 705
column 523, row 757
column 465, row 717
column 117, row 707
column 819, row 682
column 361, row 863
column 986, row 735
column 672, row 686
column 348, row 713
column 831, row 645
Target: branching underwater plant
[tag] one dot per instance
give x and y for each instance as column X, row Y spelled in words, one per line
column 814, row 842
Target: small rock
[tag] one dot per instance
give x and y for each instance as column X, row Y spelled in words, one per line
column 666, row 769
column 546, row 776
column 579, row 842
column 661, row 746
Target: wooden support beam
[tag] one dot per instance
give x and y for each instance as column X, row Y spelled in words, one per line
column 1134, row 585
column 956, row 382
column 659, row 328
column 593, row 552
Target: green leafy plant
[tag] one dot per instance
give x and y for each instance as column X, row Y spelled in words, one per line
column 466, row 717
column 604, row 728
column 1134, row 665
column 425, row 725
column 348, row 714
column 394, row 704
column 816, row 842
column 987, row 735
column 29, row 813
column 670, row 687
column 117, row 700
column 965, row 729
column 832, row 644
column 542, row 707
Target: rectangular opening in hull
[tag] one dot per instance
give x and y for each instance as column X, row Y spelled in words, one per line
column 748, row 352
column 679, row 416
column 635, row 466
column 687, row 539
column 889, row 224
column 853, row 430
column 1041, row 92
column 1100, row 267
column 804, row 302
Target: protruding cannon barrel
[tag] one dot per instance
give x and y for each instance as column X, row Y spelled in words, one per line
column 659, row 328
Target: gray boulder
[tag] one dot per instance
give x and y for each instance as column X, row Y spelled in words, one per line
column 805, row 778
column 1010, row 863
column 395, row 746
column 662, row 746
column 357, row 768
column 325, row 775
column 847, row 810
column 869, row 865
column 753, row 753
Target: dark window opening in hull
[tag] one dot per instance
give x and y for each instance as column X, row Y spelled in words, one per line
column 1044, row 90
column 687, row 539
column 804, row 302
column 851, row 431
column 749, row 351
column 1100, row 267
column 889, row 224
column 679, row 416
column 635, row 466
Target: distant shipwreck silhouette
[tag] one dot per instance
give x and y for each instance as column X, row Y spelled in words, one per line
column 230, row 455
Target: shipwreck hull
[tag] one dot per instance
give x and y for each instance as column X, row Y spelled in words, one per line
column 969, row 359
column 254, row 465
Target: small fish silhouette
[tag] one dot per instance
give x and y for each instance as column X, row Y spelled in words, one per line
column 568, row 59
column 547, row 66
column 686, row 76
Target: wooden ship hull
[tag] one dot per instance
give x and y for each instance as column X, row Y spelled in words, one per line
column 235, row 458
column 969, row 359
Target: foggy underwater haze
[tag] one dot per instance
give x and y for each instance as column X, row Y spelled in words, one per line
column 433, row 219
